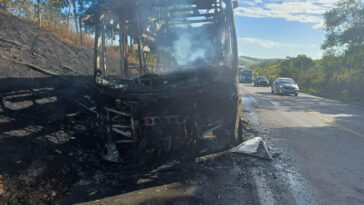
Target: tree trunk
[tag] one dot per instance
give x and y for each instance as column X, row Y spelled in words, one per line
column 81, row 40
column 69, row 15
column 39, row 13
column 75, row 14
column 131, row 45
column 28, row 6
column 122, row 53
column 112, row 36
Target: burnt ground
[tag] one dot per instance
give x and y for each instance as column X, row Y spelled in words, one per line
column 24, row 42
column 38, row 118
column 49, row 155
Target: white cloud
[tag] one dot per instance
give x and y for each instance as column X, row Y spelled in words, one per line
column 304, row 11
column 265, row 43
column 272, row 49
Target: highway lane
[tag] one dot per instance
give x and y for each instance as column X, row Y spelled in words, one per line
column 320, row 144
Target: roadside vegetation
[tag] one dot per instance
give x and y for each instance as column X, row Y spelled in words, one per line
column 339, row 74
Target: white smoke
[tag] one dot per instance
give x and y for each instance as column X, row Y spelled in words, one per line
column 191, row 47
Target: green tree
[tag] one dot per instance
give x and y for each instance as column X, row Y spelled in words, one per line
column 344, row 26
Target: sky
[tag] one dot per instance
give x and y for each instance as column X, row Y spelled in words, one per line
column 278, row 29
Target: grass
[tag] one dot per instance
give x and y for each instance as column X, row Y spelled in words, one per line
column 69, row 37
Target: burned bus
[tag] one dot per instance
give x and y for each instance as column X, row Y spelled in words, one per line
column 178, row 75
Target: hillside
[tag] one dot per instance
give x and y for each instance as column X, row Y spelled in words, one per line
column 250, row 61
column 28, row 51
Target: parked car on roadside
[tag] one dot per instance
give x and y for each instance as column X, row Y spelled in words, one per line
column 261, row 81
column 285, row 86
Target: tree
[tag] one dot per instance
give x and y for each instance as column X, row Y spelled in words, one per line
column 39, row 13
column 3, row 6
column 89, row 7
column 302, row 62
column 74, row 3
column 28, row 8
column 344, row 26
column 67, row 4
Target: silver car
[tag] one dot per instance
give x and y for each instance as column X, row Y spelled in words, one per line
column 285, row 86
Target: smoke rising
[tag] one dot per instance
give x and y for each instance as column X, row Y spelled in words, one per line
column 191, row 46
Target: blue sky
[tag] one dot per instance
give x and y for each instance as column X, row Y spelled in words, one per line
column 277, row 29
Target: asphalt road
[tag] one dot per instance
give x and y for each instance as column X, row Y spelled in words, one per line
column 318, row 144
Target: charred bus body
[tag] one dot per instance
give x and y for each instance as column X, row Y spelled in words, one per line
column 178, row 75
